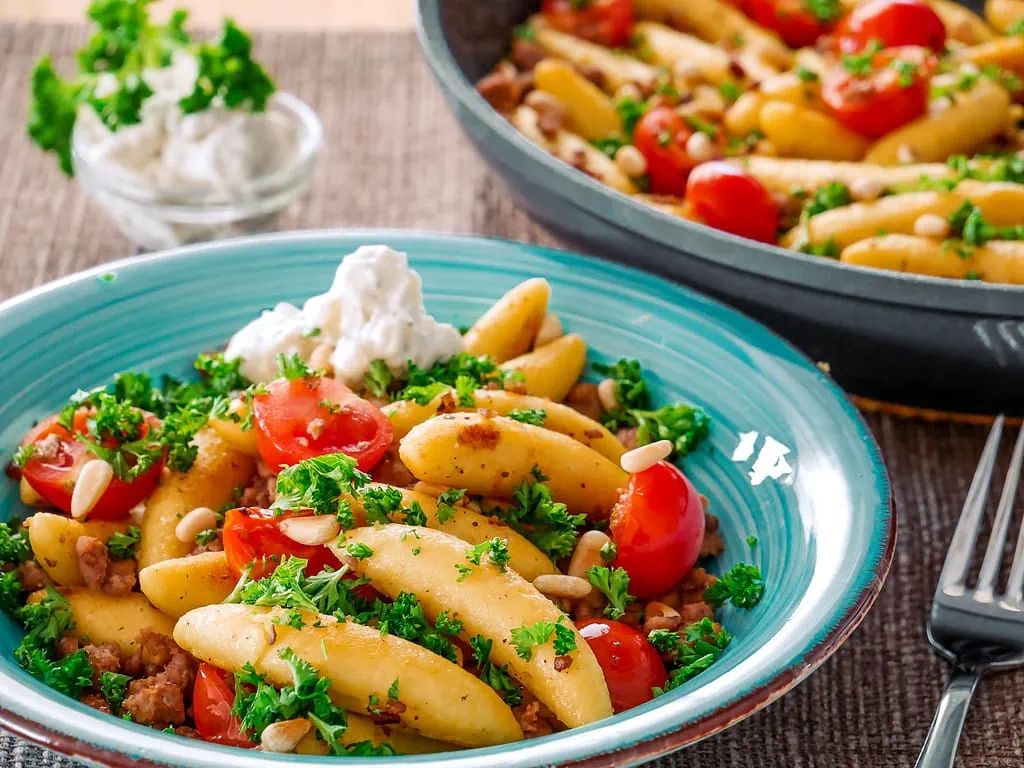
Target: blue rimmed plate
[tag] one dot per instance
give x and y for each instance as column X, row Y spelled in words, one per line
column 789, row 460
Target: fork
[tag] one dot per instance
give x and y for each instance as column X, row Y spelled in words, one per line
column 976, row 629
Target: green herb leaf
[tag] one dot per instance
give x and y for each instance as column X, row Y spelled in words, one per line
column 743, row 586
column 497, row 677
column 614, row 585
column 378, row 378
column 534, row 416
column 121, row 546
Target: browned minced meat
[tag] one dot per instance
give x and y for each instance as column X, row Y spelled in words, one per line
column 526, row 54
column 155, row 701
column 391, row 471
column 103, row 658
column 99, row 571
column 447, row 404
column 389, row 713
column 534, row 718
column 691, row 589
column 502, row 90
column 484, row 435
column 627, row 436
column 213, row 545
column 67, row 645
column 712, row 545
column 96, row 701
column 159, row 698
column 33, row 576
column 261, row 490
column 691, row 613
column 583, row 399
column 562, row 663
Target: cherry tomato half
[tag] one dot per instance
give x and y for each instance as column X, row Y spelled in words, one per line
column 253, row 535
column 792, row 20
column 311, row 416
column 630, row 664
column 893, row 23
column 658, row 527
column 53, row 477
column 728, row 199
column 607, row 22
column 893, row 93
column 212, row 699
column 661, row 137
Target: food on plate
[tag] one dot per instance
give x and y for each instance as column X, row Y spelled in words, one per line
column 360, row 531
column 757, row 117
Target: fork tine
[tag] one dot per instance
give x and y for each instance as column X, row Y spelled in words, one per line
column 997, row 541
column 958, row 559
column 1015, row 581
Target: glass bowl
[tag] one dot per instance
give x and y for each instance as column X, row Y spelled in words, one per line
column 156, row 218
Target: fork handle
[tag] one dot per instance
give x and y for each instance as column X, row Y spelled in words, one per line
column 939, row 750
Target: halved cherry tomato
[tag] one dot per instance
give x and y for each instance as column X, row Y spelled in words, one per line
column 212, row 699
column 792, row 20
column 607, row 22
column 728, row 199
column 661, row 137
column 253, row 535
column 311, row 416
column 893, row 93
column 54, row 478
column 658, row 527
column 630, row 664
column 892, row 23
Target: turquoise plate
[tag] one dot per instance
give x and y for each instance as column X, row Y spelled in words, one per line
column 789, row 459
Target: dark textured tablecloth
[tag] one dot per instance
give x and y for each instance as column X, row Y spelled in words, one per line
column 395, row 158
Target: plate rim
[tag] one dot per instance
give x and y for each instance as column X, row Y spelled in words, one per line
column 868, row 284
column 860, row 601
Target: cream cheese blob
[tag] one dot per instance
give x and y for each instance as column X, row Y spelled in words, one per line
column 372, row 311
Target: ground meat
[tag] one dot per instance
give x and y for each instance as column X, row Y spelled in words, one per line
column 501, row 90
column 155, row 701
column 562, row 663
column 49, row 447
column 691, row 589
column 103, row 658
column 99, row 571
column 583, row 399
column 213, row 545
column 627, row 436
column 447, row 404
column 33, row 576
column 67, row 645
column 187, row 732
column 691, row 613
column 96, row 701
column 712, row 545
column 549, row 123
column 391, row 471
column 261, row 490
column 389, row 713
column 93, row 560
column 484, row 435
column 534, row 718
column 526, row 54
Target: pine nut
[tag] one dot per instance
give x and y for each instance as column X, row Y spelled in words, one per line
column 551, row 326
column 628, row 91
column 587, row 553
column 318, row 529
column 699, row 147
column 646, row 456
column 320, row 358
column 866, row 188
column 559, row 586
column 931, row 225
column 685, row 72
column 542, row 101
column 660, row 616
column 195, row 522
column 137, row 513
column 315, row 428
column 906, row 154
column 630, row 161
column 606, row 394
column 92, row 483
column 284, row 736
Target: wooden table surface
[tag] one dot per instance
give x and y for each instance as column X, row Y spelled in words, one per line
column 263, row 14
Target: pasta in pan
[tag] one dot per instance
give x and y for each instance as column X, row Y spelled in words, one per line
column 464, row 553
column 757, row 116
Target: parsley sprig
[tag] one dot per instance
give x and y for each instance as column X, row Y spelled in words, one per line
column 497, row 677
column 527, row 637
column 698, row 647
column 742, row 585
column 544, row 521
column 613, row 583
column 121, row 546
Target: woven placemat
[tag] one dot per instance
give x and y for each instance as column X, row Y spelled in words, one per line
column 395, row 158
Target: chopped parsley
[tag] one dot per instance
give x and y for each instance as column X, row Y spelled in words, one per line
column 609, row 145
column 752, row 541
column 205, row 537
column 121, row 546
column 524, row 32
column 702, row 126
column 114, row 687
column 378, row 378
column 446, row 503
column 825, row 11
column 359, row 550
column 907, row 70
column 526, row 638
column 405, row 618
column 698, row 647
column 806, row 75
column 534, row 416
column 497, row 677
column 540, row 519
column 414, row 515
column 609, row 551
column 23, row 454
column 613, row 583
column 743, row 586
column 45, row 623
column 495, row 549
column 729, row 90
column 862, row 63
column 14, row 545
column 968, row 223
column 630, row 111
column 825, row 198
column 292, row 367
column 321, row 484
column 828, row 249
column 422, row 386
column 1017, row 28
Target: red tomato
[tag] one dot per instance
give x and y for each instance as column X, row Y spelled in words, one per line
column 212, row 699
column 252, row 535
column 54, row 478
column 661, row 137
column 893, row 23
column 881, row 101
column 284, row 414
column 728, row 199
column 630, row 664
column 608, row 22
column 658, row 527
column 790, row 19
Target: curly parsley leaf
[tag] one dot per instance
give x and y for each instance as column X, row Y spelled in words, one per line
column 497, row 677
column 495, row 549
column 534, row 416
column 378, row 378
column 464, row 372
column 121, row 546
column 743, row 586
column 698, row 647
column 114, row 687
column 542, row 520
column 14, row 546
column 321, row 484
column 447, row 502
column 613, row 583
